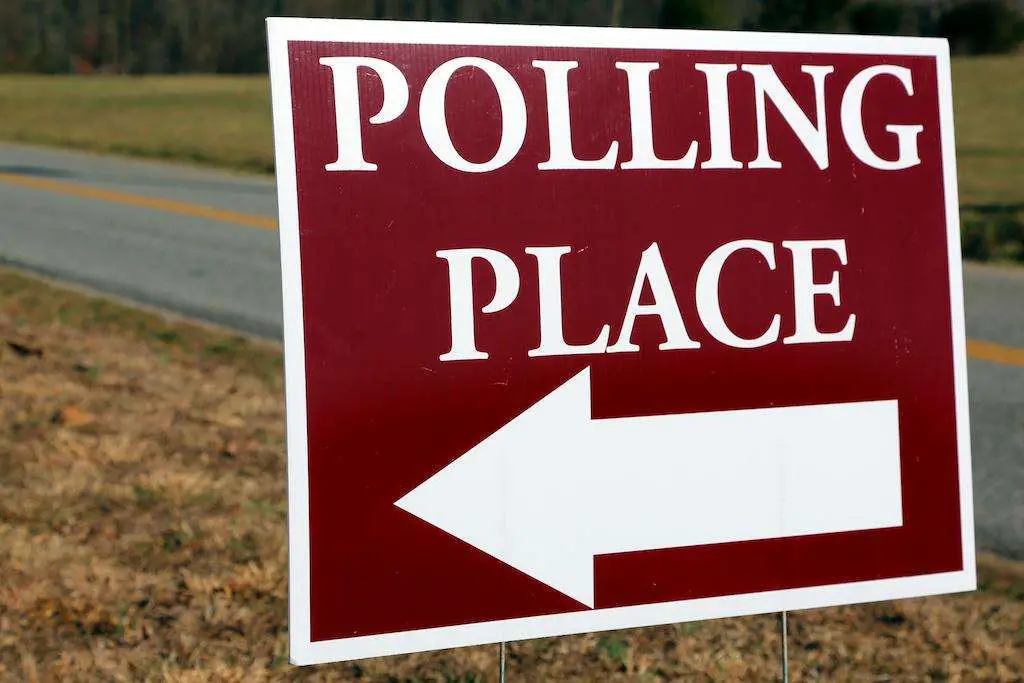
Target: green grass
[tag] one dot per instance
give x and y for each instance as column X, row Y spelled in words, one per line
column 988, row 95
column 225, row 121
column 216, row 120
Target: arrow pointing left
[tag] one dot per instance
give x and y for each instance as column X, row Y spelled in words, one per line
column 553, row 488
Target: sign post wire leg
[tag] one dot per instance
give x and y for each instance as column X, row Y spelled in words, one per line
column 784, row 627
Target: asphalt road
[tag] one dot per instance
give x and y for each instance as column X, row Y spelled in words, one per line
column 203, row 266
column 202, row 243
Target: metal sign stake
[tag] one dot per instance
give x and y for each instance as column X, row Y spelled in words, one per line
column 501, row 662
column 785, row 646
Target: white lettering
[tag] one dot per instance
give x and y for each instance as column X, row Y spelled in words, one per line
column 709, row 307
column 556, row 80
column 638, row 77
column 434, row 124
column 348, row 119
column 805, row 289
column 552, row 337
column 852, row 117
column 652, row 271
column 460, row 283
column 720, row 124
column 767, row 86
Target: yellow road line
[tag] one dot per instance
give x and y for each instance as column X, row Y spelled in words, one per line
column 995, row 353
column 165, row 205
column 980, row 350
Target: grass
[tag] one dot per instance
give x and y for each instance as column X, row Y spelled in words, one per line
column 988, row 93
column 225, row 121
column 142, row 522
column 989, row 97
column 214, row 120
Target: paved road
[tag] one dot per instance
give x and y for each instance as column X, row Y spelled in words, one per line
column 139, row 230
column 201, row 266
column 995, row 313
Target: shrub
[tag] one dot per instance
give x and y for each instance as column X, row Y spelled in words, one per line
column 691, row 14
column 878, row 18
column 993, row 235
column 801, row 15
column 981, row 27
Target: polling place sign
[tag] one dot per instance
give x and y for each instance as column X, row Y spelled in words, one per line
column 598, row 328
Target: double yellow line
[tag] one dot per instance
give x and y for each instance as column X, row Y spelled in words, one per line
column 980, row 350
column 165, row 205
column 995, row 353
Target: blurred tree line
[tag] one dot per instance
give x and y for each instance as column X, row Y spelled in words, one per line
column 227, row 36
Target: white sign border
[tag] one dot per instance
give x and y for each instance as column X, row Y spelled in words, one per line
column 281, row 31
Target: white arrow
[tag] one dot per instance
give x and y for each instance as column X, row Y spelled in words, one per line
column 554, row 487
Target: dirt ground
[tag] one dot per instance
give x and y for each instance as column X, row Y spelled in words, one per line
column 142, row 536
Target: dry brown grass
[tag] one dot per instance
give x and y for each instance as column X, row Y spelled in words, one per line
column 142, row 521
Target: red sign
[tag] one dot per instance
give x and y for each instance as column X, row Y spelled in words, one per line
column 599, row 328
